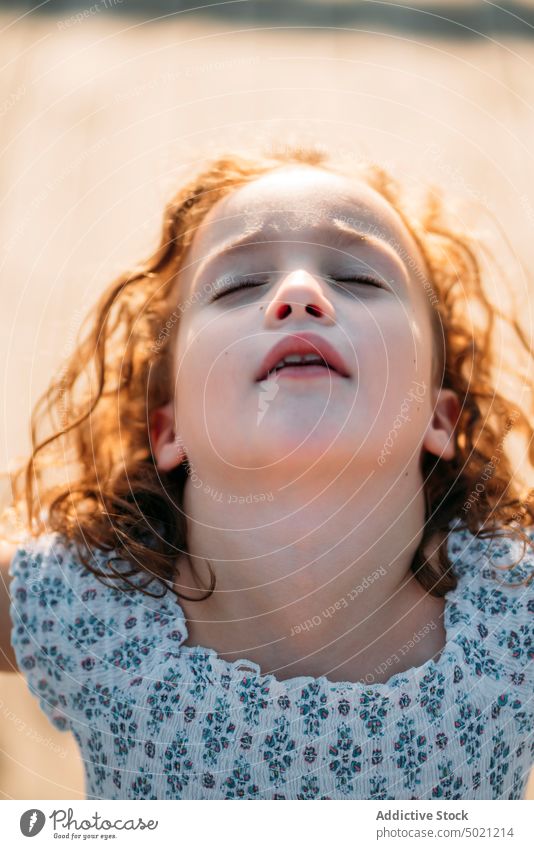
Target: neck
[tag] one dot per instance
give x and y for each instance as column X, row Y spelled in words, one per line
column 318, row 575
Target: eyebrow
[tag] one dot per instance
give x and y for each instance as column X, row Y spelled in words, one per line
column 340, row 235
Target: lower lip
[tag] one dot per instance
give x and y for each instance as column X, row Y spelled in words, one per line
column 303, row 372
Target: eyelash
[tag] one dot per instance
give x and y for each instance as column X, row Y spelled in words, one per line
column 245, row 284
column 360, row 278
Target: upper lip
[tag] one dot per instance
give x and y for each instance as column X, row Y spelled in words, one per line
column 303, row 343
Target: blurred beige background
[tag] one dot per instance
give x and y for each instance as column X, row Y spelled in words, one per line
column 102, row 118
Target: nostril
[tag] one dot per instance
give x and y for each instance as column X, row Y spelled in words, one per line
column 284, row 310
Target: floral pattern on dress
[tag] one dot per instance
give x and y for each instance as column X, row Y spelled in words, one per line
column 157, row 719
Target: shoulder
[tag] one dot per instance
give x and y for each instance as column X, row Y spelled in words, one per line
column 71, row 629
column 48, row 574
column 43, row 593
column 501, row 559
column 44, row 562
column 492, row 608
column 48, row 578
column 53, row 563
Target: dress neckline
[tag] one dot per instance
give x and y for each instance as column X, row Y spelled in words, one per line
column 234, row 669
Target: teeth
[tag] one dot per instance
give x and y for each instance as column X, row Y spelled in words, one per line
column 297, row 358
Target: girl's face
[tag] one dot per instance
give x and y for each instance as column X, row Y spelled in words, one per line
column 324, row 255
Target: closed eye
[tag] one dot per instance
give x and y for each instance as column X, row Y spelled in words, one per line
column 241, row 284
column 250, row 283
column 360, row 278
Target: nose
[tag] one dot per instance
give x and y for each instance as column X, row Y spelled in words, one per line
column 299, row 294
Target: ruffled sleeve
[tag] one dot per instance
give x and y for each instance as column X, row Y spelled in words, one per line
column 77, row 640
column 494, row 605
column 509, row 572
column 41, row 601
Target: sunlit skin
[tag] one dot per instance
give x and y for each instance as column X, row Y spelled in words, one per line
column 331, row 513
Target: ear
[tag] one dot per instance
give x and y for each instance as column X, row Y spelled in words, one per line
column 440, row 435
column 167, row 449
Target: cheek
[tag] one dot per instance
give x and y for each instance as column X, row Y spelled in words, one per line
column 210, row 377
column 387, row 342
column 394, row 361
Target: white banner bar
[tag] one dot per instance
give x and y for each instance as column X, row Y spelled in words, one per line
column 329, row 824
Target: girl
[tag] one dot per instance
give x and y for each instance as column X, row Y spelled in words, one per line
column 287, row 557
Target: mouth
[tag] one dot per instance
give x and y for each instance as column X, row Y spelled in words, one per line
column 300, row 371
column 305, row 355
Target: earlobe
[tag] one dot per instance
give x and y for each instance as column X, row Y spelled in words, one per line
column 440, row 438
column 167, row 449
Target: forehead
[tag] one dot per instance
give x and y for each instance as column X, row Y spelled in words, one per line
column 299, row 202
